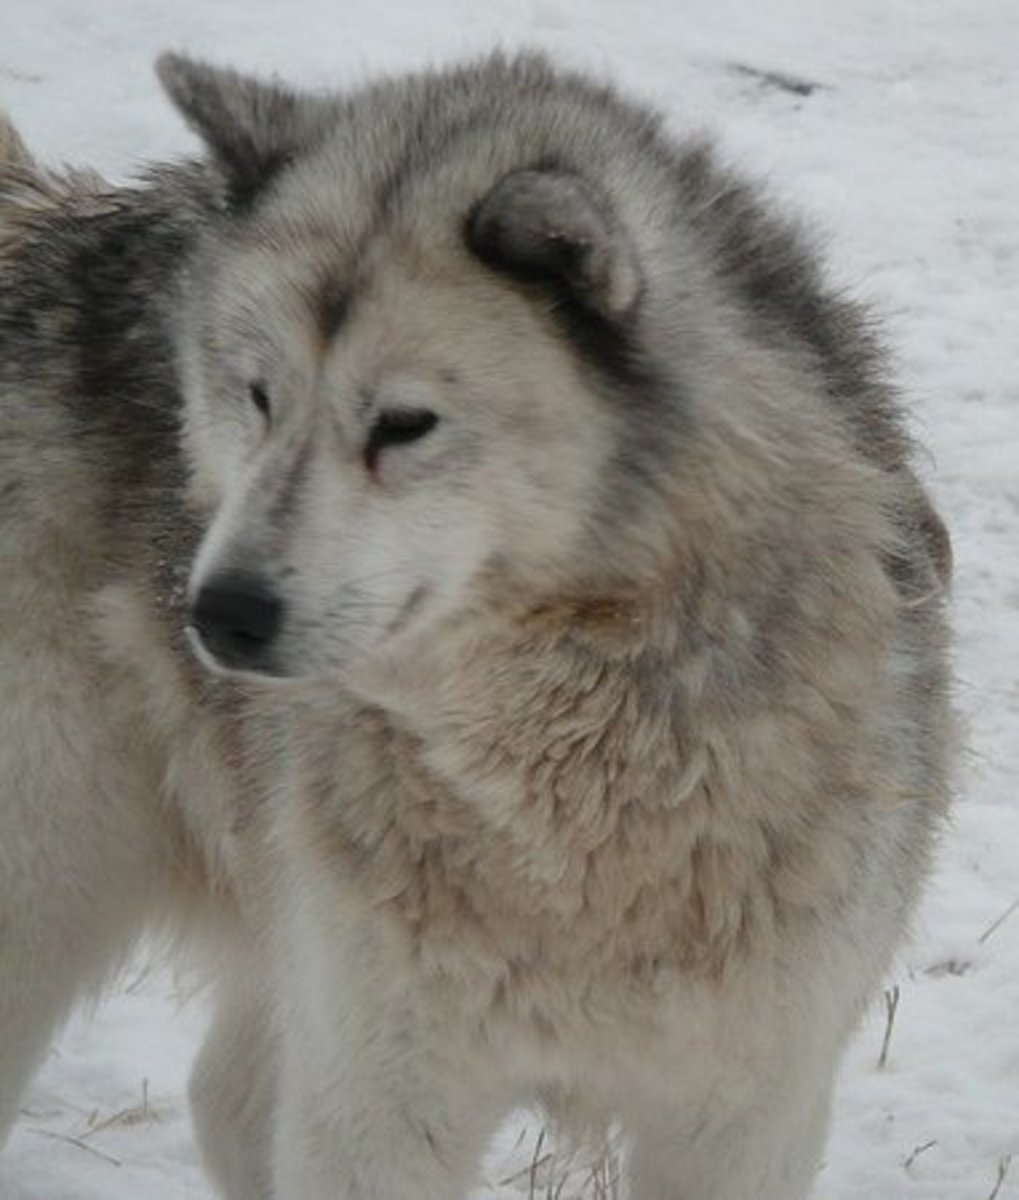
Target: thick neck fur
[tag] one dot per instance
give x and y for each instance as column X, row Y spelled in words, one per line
column 643, row 776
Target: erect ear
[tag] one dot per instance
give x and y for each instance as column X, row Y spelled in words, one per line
column 547, row 224
column 252, row 129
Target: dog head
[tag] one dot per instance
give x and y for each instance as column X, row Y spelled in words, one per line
column 482, row 342
column 404, row 350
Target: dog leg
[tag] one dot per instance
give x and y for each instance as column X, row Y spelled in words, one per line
column 232, row 1092
column 772, row 1153
column 30, row 1011
column 73, row 900
column 380, row 1118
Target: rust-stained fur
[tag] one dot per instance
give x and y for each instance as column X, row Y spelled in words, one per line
column 572, row 719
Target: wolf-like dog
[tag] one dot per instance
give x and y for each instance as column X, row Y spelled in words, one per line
column 463, row 567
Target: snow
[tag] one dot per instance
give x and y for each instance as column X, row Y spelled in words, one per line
column 907, row 155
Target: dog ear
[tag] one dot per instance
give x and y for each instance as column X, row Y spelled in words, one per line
column 251, row 128
column 548, row 225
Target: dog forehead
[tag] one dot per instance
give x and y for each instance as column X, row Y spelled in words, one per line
column 406, row 319
column 378, row 254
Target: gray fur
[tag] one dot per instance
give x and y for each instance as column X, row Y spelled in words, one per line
column 546, row 224
column 614, row 733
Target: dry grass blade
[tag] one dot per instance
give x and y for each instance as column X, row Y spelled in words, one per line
column 530, row 1171
column 996, row 925
column 892, row 996
column 917, row 1152
column 73, row 1141
column 602, row 1182
column 1003, row 1167
column 536, row 1160
column 606, row 1178
column 136, row 1114
column 586, row 1173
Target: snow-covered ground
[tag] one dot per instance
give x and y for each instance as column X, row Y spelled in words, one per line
column 906, row 150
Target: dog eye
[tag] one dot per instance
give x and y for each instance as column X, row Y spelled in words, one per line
column 397, row 427
column 259, row 395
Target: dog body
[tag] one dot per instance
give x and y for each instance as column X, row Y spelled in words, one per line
column 571, row 723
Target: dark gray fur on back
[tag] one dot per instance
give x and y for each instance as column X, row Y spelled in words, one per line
column 86, row 354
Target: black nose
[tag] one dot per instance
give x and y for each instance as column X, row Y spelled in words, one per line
column 237, row 617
